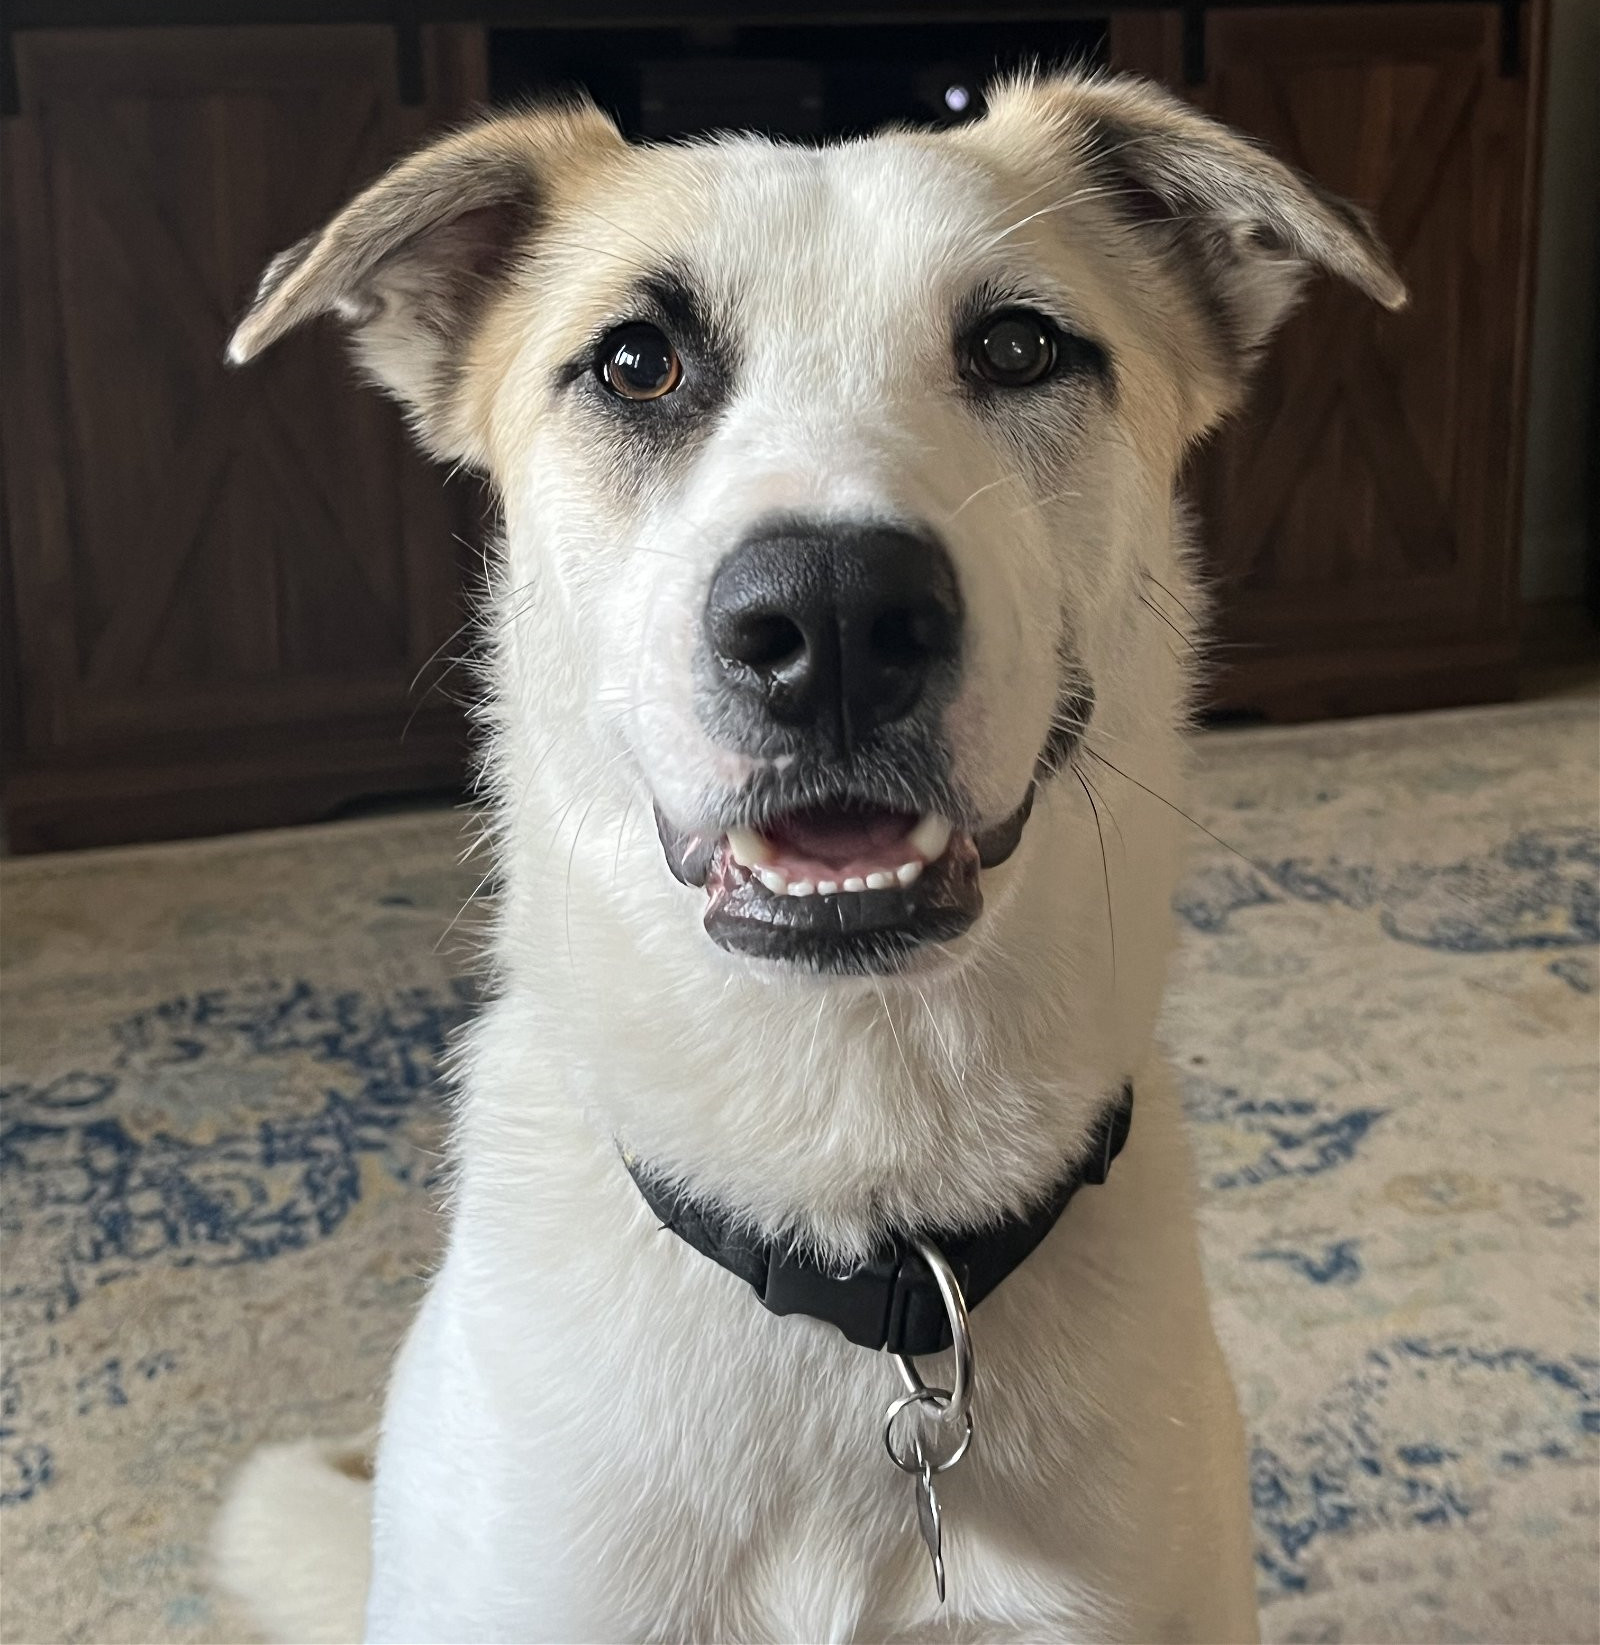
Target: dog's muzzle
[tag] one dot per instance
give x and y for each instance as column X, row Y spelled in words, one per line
column 829, row 652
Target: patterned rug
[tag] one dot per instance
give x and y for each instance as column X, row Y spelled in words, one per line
column 220, row 1117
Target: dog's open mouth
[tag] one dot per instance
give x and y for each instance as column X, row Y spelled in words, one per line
column 846, row 886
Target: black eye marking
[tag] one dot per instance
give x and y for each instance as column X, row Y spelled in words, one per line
column 654, row 377
column 669, row 349
column 1013, row 347
column 638, row 362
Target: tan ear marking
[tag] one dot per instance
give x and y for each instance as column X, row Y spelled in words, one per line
column 1170, row 161
column 408, row 263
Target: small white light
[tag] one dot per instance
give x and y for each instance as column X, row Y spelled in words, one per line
column 957, row 98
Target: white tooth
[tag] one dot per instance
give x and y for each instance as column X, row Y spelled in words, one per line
column 879, row 881
column 908, row 872
column 749, row 848
column 801, row 888
column 854, row 884
column 827, row 888
column 931, row 836
column 774, row 881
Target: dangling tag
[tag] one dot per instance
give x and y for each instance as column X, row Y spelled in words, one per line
column 930, row 1519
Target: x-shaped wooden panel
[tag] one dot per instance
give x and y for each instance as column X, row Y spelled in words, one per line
column 187, row 490
column 1346, row 365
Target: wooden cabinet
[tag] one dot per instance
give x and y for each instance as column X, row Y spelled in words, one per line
column 219, row 589
column 223, row 584
column 1362, row 515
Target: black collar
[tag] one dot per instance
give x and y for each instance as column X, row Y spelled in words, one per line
column 890, row 1301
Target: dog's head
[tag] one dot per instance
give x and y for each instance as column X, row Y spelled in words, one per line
column 832, row 477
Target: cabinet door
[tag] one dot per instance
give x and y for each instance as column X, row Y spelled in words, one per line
column 1361, row 515
column 224, row 583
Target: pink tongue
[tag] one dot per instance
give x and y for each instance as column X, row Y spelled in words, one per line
column 840, row 838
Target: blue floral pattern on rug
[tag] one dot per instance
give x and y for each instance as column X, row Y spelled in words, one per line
column 106, row 1193
column 1298, row 1136
column 110, row 1194
column 1539, row 889
column 1354, row 1471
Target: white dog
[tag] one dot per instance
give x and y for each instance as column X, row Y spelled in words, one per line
column 834, row 711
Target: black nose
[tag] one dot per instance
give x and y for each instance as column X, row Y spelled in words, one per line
column 834, row 630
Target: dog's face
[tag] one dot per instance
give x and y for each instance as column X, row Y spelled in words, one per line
column 827, row 470
column 822, row 456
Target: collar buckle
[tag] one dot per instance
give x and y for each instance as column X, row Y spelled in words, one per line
column 859, row 1301
column 890, row 1301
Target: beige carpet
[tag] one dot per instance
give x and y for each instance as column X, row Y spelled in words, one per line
column 220, row 1116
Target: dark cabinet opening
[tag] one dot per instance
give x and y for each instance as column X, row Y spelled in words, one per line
column 814, row 81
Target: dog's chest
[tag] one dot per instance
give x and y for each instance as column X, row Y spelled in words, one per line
column 664, row 1459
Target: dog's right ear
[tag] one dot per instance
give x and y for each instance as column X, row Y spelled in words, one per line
column 1241, row 230
column 410, row 263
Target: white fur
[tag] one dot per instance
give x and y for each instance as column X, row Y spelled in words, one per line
column 593, row 1433
column 293, row 1540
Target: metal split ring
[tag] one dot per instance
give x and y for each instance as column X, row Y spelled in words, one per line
column 914, row 1464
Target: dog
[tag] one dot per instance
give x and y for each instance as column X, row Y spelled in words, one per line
column 834, row 720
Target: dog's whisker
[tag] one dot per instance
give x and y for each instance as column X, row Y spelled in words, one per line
column 472, row 897
column 572, row 857
column 437, row 687
column 951, row 1064
column 1105, row 871
column 1077, row 726
column 1018, row 201
column 811, row 1054
column 645, row 549
column 622, row 832
column 1077, row 198
column 562, row 243
column 887, row 1013
column 1177, row 810
column 972, row 496
column 1022, row 222
column 1105, row 807
column 652, row 252
column 1064, row 496
column 557, row 821
column 1151, row 606
column 1149, row 575
column 455, row 634
column 474, row 618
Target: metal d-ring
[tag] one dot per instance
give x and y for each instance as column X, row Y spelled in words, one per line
column 950, row 1404
column 956, row 1401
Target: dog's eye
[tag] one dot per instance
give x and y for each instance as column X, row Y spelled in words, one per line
column 1013, row 348
column 638, row 363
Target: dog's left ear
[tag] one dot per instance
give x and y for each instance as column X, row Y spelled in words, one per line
column 411, row 263
column 1233, row 220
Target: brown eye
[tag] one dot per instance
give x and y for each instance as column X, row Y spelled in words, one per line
column 1013, row 349
column 638, row 363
